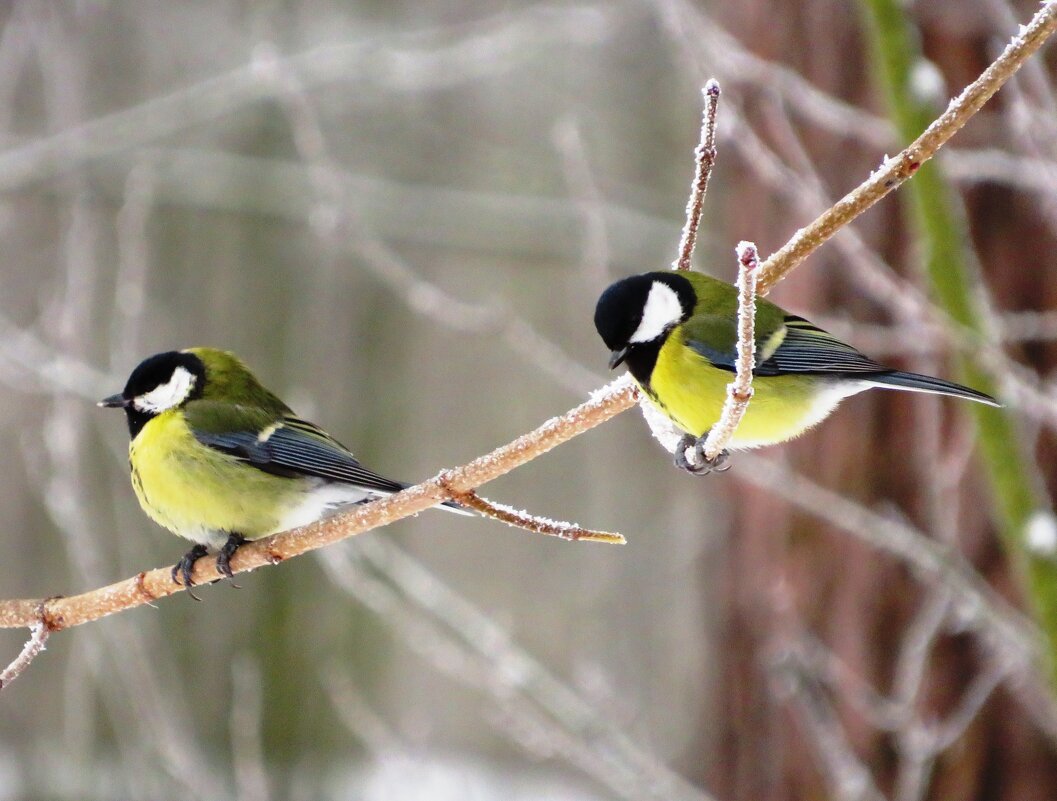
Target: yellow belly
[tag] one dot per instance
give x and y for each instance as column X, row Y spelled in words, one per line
column 692, row 392
column 199, row 493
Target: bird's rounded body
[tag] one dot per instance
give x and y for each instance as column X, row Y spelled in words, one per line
column 692, row 392
column 677, row 333
column 218, row 459
column 181, row 484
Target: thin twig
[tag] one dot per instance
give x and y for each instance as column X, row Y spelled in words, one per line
column 358, row 715
column 38, row 636
column 704, row 159
column 841, row 679
column 739, row 391
column 585, row 193
column 1003, row 631
column 707, row 47
column 948, row 732
column 529, row 522
column 347, row 225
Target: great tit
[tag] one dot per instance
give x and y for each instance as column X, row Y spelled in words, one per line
column 677, row 332
column 220, row 460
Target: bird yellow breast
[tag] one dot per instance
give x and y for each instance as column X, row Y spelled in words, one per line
column 691, row 392
column 200, row 493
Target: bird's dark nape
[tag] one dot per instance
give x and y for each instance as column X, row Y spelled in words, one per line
column 897, row 379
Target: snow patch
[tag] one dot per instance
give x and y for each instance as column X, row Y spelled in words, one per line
column 1040, row 533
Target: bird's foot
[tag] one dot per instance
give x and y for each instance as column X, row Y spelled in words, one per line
column 235, row 541
column 701, row 464
column 185, row 567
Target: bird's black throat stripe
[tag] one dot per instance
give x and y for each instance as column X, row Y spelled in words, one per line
column 642, row 358
column 136, row 420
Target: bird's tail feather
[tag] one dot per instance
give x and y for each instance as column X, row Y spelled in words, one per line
column 458, row 508
column 445, row 506
column 915, row 382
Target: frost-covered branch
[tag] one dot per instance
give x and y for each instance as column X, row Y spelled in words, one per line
column 38, row 636
column 739, row 391
column 534, row 523
column 704, row 159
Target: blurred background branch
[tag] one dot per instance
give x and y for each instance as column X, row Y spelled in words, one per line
column 941, row 230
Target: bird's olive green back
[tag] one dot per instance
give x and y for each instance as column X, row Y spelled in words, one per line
column 229, row 380
column 715, row 319
column 221, row 417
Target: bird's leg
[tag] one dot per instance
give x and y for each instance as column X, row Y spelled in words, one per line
column 186, row 566
column 235, row 541
column 701, row 465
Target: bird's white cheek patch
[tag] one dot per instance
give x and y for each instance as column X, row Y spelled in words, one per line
column 166, row 396
column 661, row 311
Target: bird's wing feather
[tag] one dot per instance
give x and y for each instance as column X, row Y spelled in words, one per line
column 794, row 346
column 283, row 445
column 806, row 348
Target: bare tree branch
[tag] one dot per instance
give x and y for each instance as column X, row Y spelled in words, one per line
column 848, row 778
column 704, row 159
column 417, row 62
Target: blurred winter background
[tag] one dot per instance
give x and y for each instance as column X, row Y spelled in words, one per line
column 400, row 215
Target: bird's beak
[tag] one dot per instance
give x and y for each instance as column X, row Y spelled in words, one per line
column 617, row 357
column 113, row 402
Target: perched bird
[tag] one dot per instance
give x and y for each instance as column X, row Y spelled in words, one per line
column 220, row 460
column 677, row 332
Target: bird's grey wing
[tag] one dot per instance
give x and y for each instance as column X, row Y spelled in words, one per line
column 798, row 346
column 808, row 349
column 287, row 446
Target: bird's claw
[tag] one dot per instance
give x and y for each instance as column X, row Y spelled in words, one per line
column 185, row 567
column 701, row 465
column 235, row 541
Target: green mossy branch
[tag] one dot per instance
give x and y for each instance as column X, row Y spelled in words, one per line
column 937, row 220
